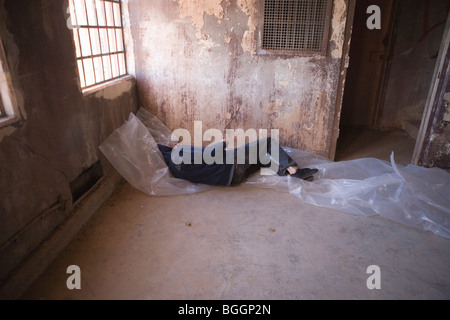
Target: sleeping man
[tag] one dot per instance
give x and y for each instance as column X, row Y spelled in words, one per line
column 218, row 166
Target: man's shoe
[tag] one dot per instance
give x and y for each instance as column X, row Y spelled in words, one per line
column 305, row 173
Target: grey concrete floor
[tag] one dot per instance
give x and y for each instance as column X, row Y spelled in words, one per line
column 355, row 143
column 243, row 243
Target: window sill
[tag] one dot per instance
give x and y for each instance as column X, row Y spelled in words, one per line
column 8, row 125
column 96, row 88
column 8, row 121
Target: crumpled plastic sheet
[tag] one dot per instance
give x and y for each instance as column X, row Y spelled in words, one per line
column 414, row 196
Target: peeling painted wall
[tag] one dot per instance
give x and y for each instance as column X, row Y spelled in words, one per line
column 198, row 60
column 197, row 9
column 63, row 128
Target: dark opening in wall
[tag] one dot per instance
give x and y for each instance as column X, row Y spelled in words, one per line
column 85, row 181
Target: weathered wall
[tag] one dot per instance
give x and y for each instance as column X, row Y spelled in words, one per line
column 197, row 60
column 62, row 130
column 437, row 152
column 419, row 30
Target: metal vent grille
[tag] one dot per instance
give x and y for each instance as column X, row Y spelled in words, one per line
column 295, row 25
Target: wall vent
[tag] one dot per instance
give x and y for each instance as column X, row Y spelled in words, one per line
column 296, row 25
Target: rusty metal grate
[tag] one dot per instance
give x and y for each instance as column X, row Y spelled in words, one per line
column 99, row 42
column 295, row 25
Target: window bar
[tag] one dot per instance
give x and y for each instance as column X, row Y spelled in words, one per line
column 109, row 44
column 99, row 40
column 79, row 41
column 123, row 37
column 102, row 54
column 115, row 37
column 90, row 41
column 105, row 27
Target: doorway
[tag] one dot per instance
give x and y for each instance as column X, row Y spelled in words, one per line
column 389, row 77
column 370, row 52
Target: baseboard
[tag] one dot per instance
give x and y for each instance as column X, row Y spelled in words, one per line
column 30, row 269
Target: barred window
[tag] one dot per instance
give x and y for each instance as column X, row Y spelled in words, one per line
column 99, row 42
column 12, row 114
column 4, row 85
column 10, row 111
column 296, row 25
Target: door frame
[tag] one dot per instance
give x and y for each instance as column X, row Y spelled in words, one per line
column 435, row 97
column 382, row 83
column 335, row 130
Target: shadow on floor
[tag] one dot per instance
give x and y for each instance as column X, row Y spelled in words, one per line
column 356, row 143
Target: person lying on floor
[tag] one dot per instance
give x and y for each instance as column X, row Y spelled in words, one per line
column 244, row 162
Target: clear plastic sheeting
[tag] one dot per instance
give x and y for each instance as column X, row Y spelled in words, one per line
column 411, row 195
column 159, row 131
column 134, row 153
column 414, row 196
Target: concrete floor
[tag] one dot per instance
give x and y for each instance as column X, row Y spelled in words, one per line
column 243, row 243
column 356, row 143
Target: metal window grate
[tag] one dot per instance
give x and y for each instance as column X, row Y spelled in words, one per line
column 99, row 41
column 295, row 25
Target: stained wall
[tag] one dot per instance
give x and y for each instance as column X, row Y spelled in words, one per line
column 201, row 61
column 62, row 127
